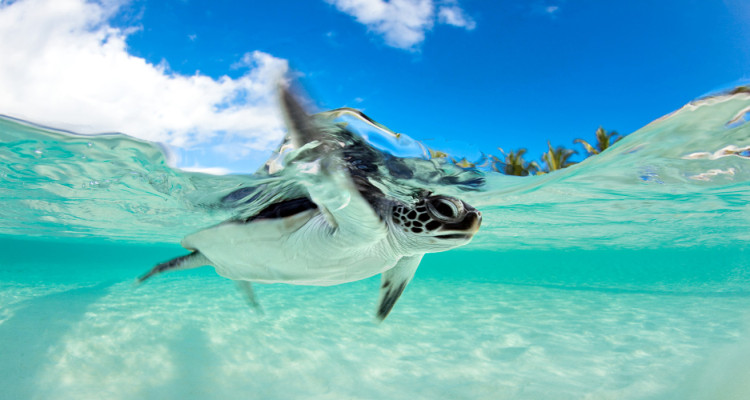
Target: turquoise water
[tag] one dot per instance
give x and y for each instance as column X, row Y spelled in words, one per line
column 624, row 277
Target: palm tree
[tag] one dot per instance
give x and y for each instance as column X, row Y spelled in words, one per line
column 437, row 153
column 557, row 158
column 603, row 141
column 514, row 164
column 463, row 163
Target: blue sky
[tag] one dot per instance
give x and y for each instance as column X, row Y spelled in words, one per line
column 464, row 76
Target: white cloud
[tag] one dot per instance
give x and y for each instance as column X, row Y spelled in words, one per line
column 454, row 15
column 403, row 23
column 64, row 65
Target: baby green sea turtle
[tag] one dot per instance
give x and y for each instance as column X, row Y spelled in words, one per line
column 339, row 228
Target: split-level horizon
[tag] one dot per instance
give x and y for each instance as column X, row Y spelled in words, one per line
column 465, row 77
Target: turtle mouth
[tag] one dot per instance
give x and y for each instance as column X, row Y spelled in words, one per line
column 454, row 236
column 468, row 226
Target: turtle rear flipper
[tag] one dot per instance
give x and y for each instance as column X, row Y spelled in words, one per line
column 247, row 290
column 192, row 260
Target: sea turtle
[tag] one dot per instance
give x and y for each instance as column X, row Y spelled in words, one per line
column 336, row 226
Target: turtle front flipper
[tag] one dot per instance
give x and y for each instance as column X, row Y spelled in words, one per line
column 192, row 260
column 326, row 175
column 394, row 282
column 303, row 128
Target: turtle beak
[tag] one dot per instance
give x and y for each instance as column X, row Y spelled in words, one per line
column 466, row 228
column 473, row 220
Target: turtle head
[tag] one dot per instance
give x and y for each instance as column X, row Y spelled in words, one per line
column 435, row 223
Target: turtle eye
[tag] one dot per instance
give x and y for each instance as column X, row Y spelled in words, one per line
column 446, row 209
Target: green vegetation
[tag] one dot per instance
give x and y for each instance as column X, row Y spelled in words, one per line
column 603, row 141
column 557, row 158
column 513, row 162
